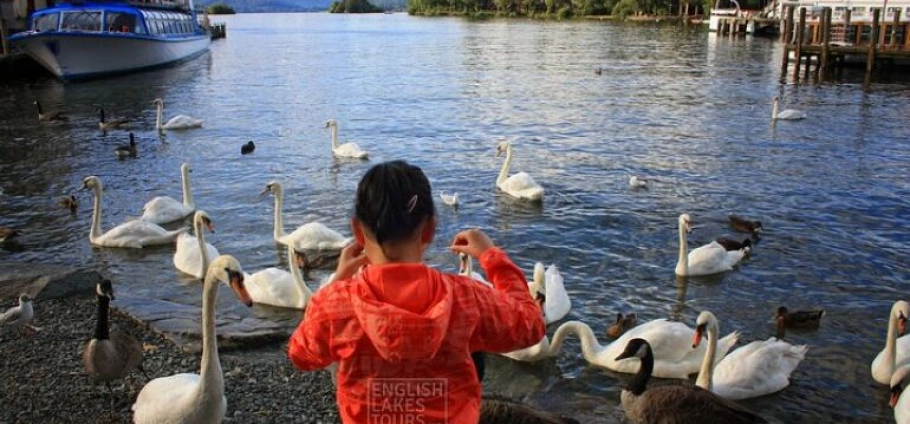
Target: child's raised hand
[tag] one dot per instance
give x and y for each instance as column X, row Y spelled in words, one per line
column 472, row 242
column 351, row 260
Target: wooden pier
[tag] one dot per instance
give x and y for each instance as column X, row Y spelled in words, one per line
column 218, row 30
column 830, row 45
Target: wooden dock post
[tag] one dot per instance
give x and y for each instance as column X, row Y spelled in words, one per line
column 4, row 37
column 822, row 67
column 873, row 42
column 847, row 26
column 800, row 29
column 897, row 21
column 787, row 34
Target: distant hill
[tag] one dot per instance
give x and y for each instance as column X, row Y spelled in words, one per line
column 266, row 6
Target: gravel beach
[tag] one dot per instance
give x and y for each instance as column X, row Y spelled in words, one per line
column 44, row 381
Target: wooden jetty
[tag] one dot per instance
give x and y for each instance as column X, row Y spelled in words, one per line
column 832, row 44
column 218, row 30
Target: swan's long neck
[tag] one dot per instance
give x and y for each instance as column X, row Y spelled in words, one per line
column 706, row 374
column 95, row 232
column 187, row 193
column 891, row 344
column 504, row 172
column 639, row 383
column 279, row 222
column 334, row 136
column 158, row 124
column 102, row 331
column 200, row 239
column 211, row 381
column 683, row 263
column 775, row 109
column 302, row 289
column 590, row 347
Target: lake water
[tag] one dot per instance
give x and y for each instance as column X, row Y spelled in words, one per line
column 686, row 111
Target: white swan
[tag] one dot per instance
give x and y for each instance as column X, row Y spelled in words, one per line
column 136, row 234
column 899, row 402
column 277, row 287
column 533, row 353
column 711, row 258
column 671, row 342
column 449, row 199
column 346, row 150
column 785, row 115
column 195, row 398
column 179, row 122
column 897, row 350
column 756, row 369
column 309, row 236
column 193, row 253
column 636, row 182
column 164, row 209
column 466, row 268
column 549, row 283
column 520, row 185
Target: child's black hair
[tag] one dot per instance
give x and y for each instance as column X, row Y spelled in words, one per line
column 393, row 198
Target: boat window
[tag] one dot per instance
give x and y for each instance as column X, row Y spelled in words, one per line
column 120, row 22
column 46, row 22
column 83, row 20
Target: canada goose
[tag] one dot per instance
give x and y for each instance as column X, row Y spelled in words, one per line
column 247, row 148
column 19, row 316
column 797, row 319
column 164, row 209
column 520, row 185
column 499, row 410
column 621, row 325
column 7, row 233
column 897, row 349
column 731, row 244
column 111, row 123
column 135, row 234
column 674, row 403
column 711, row 258
column 127, row 151
column 900, row 403
column 746, row 226
column 346, row 150
column 70, row 203
column 785, row 115
column 50, row 116
column 110, row 354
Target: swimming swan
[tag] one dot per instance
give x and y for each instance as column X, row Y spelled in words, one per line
column 195, row 398
column 711, row 258
column 785, row 115
column 309, row 236
column 277, row 287
column 179, row 122
column 900, row 403
column 193, row 254
column 346, row 150
column 756, row 369
column 671, row 342
column 135, row 234
column 549, row 283
column 897, row 350
column 164, row 209
column 520, row 185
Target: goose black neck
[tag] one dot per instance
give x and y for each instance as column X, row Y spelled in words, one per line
column 101, row 325
column 640, row 382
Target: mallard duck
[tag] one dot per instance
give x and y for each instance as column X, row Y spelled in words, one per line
column 69, row 202
column 744, row 225
column 621, row 325
column 7, row 233
column 731, row 244
column 797, row 319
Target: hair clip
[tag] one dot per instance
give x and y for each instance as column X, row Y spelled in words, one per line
column 412, row 203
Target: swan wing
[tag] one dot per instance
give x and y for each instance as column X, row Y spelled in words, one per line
column 349, row 150
column 712, row 258
column 791, row 115
column 164, row 209
column 901, row 358
column 136, row 234
column 757, row 369
column 315, row 236
column 522, row 185
column 187, row 258
column 273, row 286
column 532, row 353
column 558, row 304
column 160, row 399
column 181, row 122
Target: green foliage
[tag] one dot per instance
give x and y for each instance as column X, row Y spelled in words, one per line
column 353, row 6
column 220, row 9
column 625, row 8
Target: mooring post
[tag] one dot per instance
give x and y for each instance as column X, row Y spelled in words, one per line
column 800, row 29
column 896, row 22
column 847, row 25
column 787, row 34
column 826, row 39
column 873, row 42
column 4, row 43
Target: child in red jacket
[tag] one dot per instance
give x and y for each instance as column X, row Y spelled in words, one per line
column 402, row 332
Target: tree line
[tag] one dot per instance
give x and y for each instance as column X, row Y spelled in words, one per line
column 569, row 8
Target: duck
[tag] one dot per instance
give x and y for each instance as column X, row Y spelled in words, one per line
column 127, row 151
column 19, row 316
column 111, row 123
column 110, row 354
column 499, row 410
column 69, row 202
column 673, row 403
column 466, row 268
column 756, row 369
column 598, row 71
column 164, row 209
column 193, row 254
column 309, row 236
column 133, row 234
column 785, row 115
column 190, row 397
column 277, row 287
column 622, row 324
column 449, row 199
column 897, row 349
column 520, row 185
column 730, row 244
column 636, row 182
column 50, row 116
column 247, row 148
column 746, row 226
column 548, row 287
column 179, row 122
column 899, row 403
column 674, row 355
column 346, row 150
column 797, row 319
column 7, row 233
column 709, row 259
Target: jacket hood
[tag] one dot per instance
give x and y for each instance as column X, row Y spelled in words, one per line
column 404, row 309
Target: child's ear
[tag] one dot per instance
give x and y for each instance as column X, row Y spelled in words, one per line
column 428, row 231
column 357, row 229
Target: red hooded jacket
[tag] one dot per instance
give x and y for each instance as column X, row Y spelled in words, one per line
column 402, row 335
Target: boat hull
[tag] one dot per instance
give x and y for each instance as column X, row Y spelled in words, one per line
column 74, row 56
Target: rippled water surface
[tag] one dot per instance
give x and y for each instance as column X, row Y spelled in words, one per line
column 689, row 113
